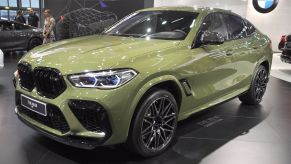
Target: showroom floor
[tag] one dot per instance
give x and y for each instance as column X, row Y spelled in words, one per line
column 229, row 133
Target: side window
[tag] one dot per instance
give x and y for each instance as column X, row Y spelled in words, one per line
column 6, row 26
column 19, row 26
column 250, row 28
column 235, row 27
column 213, row 23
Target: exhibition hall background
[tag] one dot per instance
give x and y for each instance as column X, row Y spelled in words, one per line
column 274, row 24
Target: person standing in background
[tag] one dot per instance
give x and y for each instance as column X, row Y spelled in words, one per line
column 19, row 17
column 32, row 18
column 48, row 29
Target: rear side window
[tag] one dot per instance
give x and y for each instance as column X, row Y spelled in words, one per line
column 5, row 26
column 213, row 23
column 235, row 27
column 250, row 29
column 19, row 26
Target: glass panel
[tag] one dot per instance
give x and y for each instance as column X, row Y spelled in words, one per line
column 4, row 14
column 25, row 3
column 35, row 3
column 3, row 3
column 170, row 25
column 12, row 3
column 12, row 14
column 235, row 26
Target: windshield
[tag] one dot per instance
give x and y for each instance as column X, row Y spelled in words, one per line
column 169, row 25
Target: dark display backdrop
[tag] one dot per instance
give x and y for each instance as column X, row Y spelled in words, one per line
column 120, row 7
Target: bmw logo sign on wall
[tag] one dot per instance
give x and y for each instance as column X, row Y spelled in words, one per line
column 265, row 6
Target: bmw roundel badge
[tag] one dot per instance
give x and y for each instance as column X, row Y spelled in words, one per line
column 265, row 6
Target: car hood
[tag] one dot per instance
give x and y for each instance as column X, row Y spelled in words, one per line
column 93, row 53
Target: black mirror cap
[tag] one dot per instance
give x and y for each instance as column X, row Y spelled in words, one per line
column 212, row 38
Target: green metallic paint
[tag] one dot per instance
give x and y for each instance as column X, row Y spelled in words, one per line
column 213, row 76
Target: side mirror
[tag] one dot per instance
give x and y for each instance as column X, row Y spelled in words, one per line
column 212, row 38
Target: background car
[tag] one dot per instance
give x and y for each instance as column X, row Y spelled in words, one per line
column 16, row 36
column 282, row 42
column 133, row 83
column 286, row 49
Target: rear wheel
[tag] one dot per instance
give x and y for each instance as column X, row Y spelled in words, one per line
column 34, row 42
column 258, row 87
column 155, row 124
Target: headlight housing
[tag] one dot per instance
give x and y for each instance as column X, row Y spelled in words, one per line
column 103, row 80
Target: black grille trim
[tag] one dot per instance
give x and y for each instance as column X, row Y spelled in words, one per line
column 26, row 76
column 49, row 82
column 91, row 115
column 54, row 119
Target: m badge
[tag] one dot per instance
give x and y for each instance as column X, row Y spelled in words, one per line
column 265, row 6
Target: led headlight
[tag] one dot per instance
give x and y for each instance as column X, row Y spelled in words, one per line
column 103, row 80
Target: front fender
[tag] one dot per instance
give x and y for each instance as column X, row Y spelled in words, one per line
column 144, row 88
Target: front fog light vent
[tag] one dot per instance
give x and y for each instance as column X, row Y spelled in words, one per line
column 91, row 115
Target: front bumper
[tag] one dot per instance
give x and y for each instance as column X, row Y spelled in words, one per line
column 71, row 140
column 286, row 58
column 116, row 103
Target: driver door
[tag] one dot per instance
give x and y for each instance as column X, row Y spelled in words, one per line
column 6, row 28
column 212, row 66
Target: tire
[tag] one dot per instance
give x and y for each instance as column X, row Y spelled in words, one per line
column 258, row 87
column 153, row 129
column 34, row 42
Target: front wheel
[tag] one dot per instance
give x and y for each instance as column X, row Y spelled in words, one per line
column 155, row 124
column 258, row 88
column 34, row 42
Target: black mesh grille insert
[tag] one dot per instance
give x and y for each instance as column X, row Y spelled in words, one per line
column 54, row 119
column 49, row 82
column 91, row 115
column 25, row 76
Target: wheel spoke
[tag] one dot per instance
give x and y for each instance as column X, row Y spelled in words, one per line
column 167, row 109
column 146, row 121
column 159, row 123
column 169, row 127
column 145, row 134
column 170, row 119
column 150, row 140
column 167, row 130
column 145, row 130
column 161, row 106
column 155, row 109
column 163, row 135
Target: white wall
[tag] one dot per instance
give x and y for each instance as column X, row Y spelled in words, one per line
column 274, row 24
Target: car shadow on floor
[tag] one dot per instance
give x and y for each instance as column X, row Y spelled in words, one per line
column 196, row 138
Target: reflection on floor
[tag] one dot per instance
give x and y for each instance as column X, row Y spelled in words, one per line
column 230, row 133
column 281, row 70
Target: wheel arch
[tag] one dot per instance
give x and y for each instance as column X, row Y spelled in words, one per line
column 267, row 65
column 29, row 40
column 168, row 82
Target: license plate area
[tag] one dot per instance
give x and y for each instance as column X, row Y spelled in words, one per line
column 33, row 105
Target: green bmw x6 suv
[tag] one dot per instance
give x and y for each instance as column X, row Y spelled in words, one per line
column 135, row 81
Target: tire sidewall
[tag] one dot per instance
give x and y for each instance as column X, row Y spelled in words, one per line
column 30, row 46
column 252, row 89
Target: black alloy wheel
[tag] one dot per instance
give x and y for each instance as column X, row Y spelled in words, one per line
column 155, row 124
